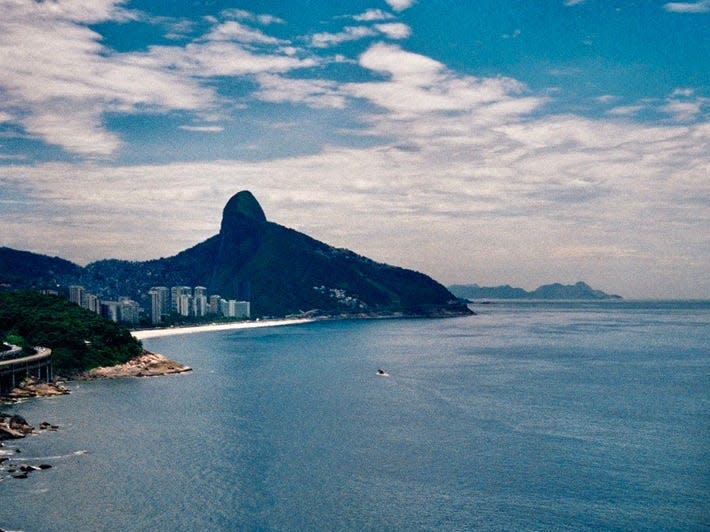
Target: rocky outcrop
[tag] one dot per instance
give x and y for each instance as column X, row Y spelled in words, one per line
column 15, row 427
column 145, row 365
column 31, row 387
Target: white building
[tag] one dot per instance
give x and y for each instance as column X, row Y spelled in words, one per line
column 129, row 311
column 76, row 294
column 235, row 309
column 184, row 305
column 156, row 307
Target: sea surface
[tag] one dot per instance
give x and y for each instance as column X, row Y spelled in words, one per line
column 527, row 416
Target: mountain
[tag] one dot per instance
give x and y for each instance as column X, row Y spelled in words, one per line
column 579, row 290
column 281, row 271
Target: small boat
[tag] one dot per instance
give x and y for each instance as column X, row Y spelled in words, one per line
column 382, row 373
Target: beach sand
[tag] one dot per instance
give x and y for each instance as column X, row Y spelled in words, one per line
column 171, row 331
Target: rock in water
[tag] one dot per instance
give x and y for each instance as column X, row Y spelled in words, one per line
column 20, row 424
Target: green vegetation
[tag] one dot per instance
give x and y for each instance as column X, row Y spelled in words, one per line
column 79, row 338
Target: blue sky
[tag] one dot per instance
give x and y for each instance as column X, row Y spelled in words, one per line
column 491, row 141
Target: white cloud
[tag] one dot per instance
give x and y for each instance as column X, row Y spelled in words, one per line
column 400, row 5
column 235, row 31
column 391, row 30
column 226, row 59
column 394, row 30
column 372, row 15
column 625, row 110
column 606, row 98
column 349, row 33
column 702, row 6
column 243, row 14
column 59, row 79
column 683, row 92
column 315, row 93
column 418, row 85
column 202, row 129
column 682, row 111
column 513, row 35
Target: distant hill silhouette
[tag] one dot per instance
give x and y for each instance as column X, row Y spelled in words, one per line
column 280, row 270
column 23, row 269
column 579, row 290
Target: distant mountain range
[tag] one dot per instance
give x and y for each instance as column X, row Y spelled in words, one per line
column 281, row 271
column 579, row 290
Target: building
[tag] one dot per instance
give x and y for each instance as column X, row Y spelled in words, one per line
column 184, row 304
column 129, row 311
column 76, row 294
column 199, row 302
column 242, row 309
column 235, row 309
column 91, row 302
column 109, row 310
column 214, row 304
column 176, row 292
column 159, row 303
column 163, row 299
column 156, row 307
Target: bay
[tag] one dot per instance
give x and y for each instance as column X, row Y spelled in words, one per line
column 530, row 415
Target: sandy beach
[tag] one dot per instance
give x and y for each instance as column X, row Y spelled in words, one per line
column 171, row 331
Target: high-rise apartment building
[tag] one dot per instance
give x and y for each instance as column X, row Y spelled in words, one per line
column 235, row 309
column 242, row 309
column 76, row 294
column 176, row 292
column 184, row 306
column 91, row 302
column 156, row 307
column 159, row 303
column 214, row 304
column 129, row 311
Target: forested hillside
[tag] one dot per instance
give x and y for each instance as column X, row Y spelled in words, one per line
column 79, row 339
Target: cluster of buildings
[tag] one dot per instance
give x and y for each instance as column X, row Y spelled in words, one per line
column 177, row 300
column 188, row 301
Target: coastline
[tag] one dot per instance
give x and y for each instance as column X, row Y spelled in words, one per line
column 142, row 334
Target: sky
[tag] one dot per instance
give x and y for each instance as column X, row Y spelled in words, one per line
column 490, row 141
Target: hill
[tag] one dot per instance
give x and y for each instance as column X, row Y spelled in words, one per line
column 558, row 291
column 79, row 339
column 23, row 269
column 281, row 271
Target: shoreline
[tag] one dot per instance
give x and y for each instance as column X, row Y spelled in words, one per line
column 142, row 334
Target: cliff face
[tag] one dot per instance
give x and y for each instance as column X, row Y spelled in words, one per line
column 281, row 271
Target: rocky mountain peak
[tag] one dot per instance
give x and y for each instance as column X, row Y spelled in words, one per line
column 242, row 206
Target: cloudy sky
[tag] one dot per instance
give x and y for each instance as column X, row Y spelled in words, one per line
column 488, row 141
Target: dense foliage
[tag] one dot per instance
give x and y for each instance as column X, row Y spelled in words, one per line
column 79, row 339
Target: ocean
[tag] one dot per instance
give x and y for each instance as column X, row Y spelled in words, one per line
column 527, row 416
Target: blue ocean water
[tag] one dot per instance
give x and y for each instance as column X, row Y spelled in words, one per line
column 528, row 416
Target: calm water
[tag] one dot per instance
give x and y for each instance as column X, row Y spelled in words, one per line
column 527, row 416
